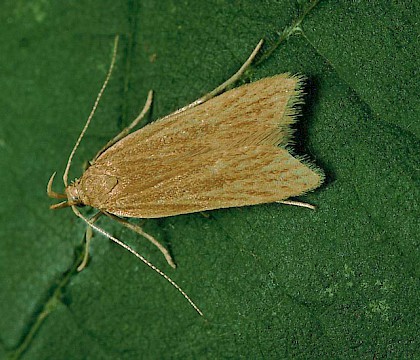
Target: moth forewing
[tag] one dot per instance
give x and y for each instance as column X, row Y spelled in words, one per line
column 223, row 153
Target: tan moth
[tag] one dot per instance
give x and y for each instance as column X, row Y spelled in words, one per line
column 220, row 151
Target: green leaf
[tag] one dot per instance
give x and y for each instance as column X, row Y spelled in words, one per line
column 273, row 281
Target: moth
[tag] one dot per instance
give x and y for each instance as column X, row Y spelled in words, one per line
column 222, row 150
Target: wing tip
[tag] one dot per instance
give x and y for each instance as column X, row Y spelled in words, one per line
column 319, row 173
column 293, row 109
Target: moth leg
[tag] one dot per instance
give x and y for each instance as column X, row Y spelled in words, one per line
column 141, row 232
column 226, row 84
column 204, row 214
column 130, row 127
column 88, row 237
column 199, row 101
column 297, row 203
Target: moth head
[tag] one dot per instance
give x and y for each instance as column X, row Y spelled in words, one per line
column 71, row 195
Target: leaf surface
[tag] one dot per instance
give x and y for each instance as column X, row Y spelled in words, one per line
column 273, row 281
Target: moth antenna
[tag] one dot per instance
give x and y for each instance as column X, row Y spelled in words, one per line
column 137, row 229
column 142, row 258
column 95, row 105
